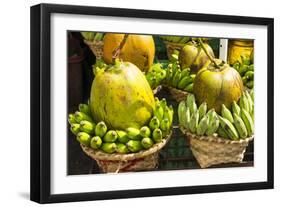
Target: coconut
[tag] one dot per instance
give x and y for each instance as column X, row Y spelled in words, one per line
column 121, row 97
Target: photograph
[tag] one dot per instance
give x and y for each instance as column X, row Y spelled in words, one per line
column 143, row 102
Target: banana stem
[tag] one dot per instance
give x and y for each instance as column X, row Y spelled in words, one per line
column 117, row 51
column 206, row 52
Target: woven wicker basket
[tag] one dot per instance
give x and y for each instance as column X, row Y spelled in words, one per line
column 170, row 47
column 114, row 163
column 211, row 150
column 177, row 94
column 96, row 47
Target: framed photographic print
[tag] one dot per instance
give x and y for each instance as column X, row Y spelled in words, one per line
column 132, row 103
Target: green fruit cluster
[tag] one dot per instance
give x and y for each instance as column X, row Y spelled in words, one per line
column 246, row 71
column 155, row 75
column 176, row 39
column 92, row 36
column 99, row 66
column 179, row 78
column 237, row 123
column 131, row 140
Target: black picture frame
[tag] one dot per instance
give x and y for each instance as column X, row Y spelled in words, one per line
column 41, row 96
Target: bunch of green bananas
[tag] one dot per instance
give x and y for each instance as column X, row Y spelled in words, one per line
column 176, row 39
column 237, row 123
column 179, row 78
column 132, row 140
column 155, row 75
column 246, row 71
column 92, row 36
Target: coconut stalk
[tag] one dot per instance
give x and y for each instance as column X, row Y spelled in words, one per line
column 206, row 52
column 117, row 51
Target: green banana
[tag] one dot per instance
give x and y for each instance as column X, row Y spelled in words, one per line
column 183, row 82
column 202, row 126
column 85, row 109
column 236, row 66
column 250, row 101
column 212, row 115
column 202, row 110
column 176, row 78
column 165, row 124
column 109, row 147
column 194, row 119
column 133, row 133
column 71, row 119
column 226, row 113
column 122, row 136
column 249, row 75
column 88, row 127
column 154, row 123
column 84, row 138
column 251, row 67
column 213, row 126
column 243, row 103
column 252, row 95
column 184, row 40
column 185, row 73
column 75, row 128
column 110, row 136
column 187, row 119
column 189, row 88
column 169, row 113
column 157, row 135
column 134, row 145
column 181, row 113
column 235, row 108
column 80, row 116
column 229, row 128
column 191, row 104
column 147, row 142
column 248, row 121
column 159, row 111
column 98, row 36
column 100, row 129
column 96, row 142
column 250, row 84
column 122, row 148
column 240, row 126
column 221, row 132
column 145, row 131
column 163, row 103
column 169, row 75
column 243, row 69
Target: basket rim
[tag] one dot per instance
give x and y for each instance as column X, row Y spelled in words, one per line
column 176, row 89
column 100, row 155
column 217, row 139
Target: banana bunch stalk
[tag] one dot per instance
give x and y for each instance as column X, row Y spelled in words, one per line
column 92, row 36
column 179, row 78
column 132, row 140
column 246, row 71
column 235, row 123
column 155, row 76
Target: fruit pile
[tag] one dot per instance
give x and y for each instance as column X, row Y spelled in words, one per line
column 246, row 71
column 234, row 124
column 131, row 140
column 92, row 36
column 179, row 78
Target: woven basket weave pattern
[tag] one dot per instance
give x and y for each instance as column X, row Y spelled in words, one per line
column 210, row 150
column 114, row 163
column 96, row 47
column 178, row 95
column 170, row 47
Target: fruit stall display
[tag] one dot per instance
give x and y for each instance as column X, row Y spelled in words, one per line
column 183, row 112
